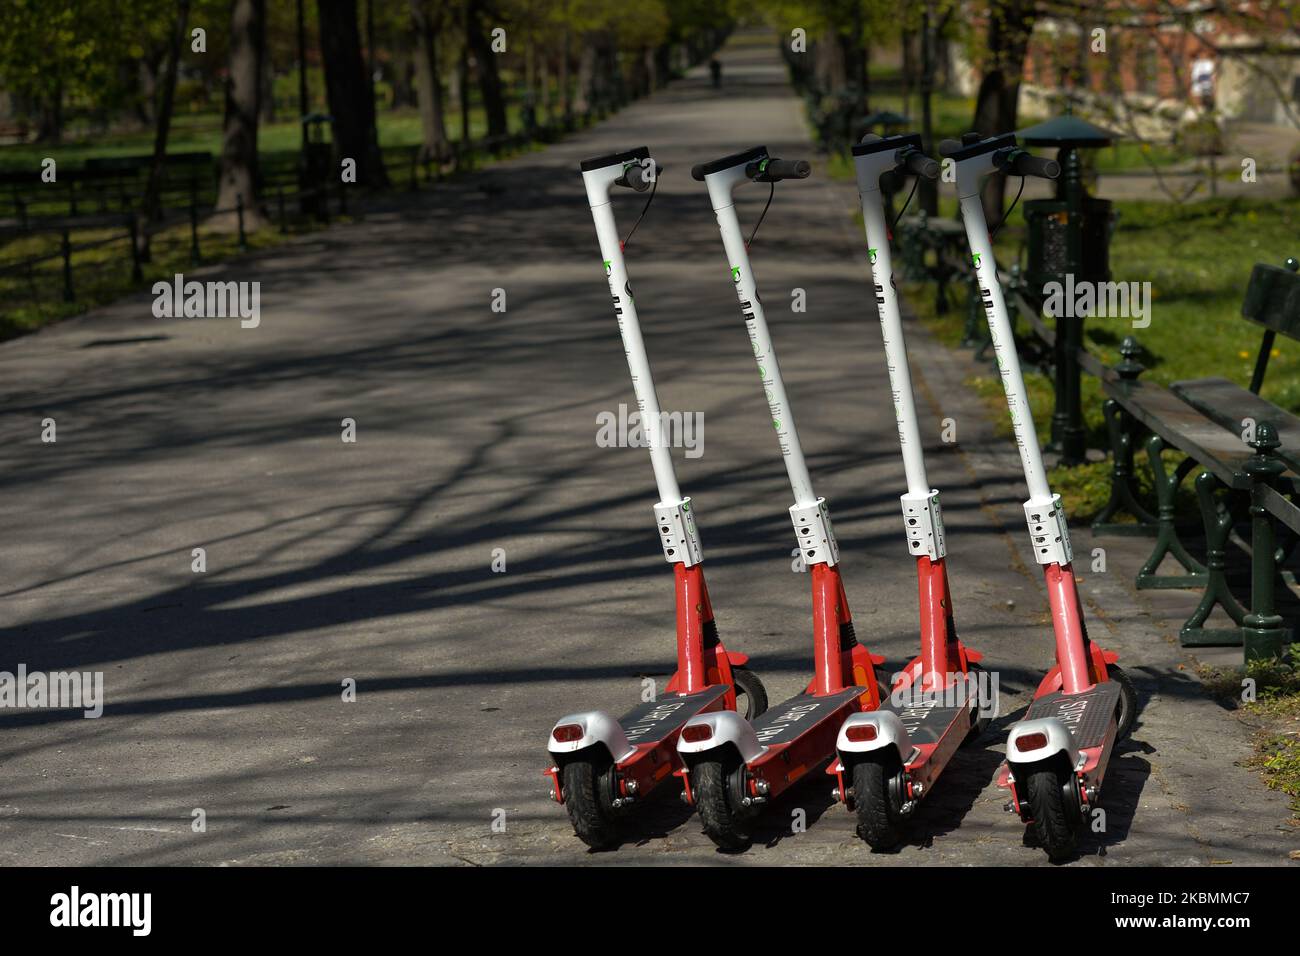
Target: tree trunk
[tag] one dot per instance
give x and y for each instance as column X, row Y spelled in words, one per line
column 153, row 187
column 489, row 80
column 566, row 90
column 429, row 83
column 350, row 91
column 1010, row 25
column 266, row 103
column 238, row 180
column 586, row 79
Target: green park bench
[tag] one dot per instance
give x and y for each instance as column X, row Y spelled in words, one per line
column 1211, row 422
column 933, row 249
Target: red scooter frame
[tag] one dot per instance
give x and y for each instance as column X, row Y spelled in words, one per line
column 889, row 758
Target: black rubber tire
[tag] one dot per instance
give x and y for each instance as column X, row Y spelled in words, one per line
column 713, row 783
column 751, row 695
column 1128, row 701
column 880, row 820
column 980, row 724
column 588, row 798
column 1045, row 791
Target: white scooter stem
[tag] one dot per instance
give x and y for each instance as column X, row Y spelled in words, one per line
column 891, row 322
column 674, row 515
column 811, row 520
column 974, row 162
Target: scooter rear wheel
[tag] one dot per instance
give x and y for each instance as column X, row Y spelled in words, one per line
column 589, row 799
column 1128, row 701
column 877, row 795
column 978, row 724
column 718, row 787
column 751, row 695
column 1048, row 795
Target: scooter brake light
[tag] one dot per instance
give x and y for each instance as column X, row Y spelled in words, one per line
column 567, row 733
column 861, row 733
column 1029, row 742
column 695, row 733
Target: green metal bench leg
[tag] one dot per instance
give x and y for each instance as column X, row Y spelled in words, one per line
column 1218, row 526
column 1122, row 429
column 1168, row 543
column 1264, row 634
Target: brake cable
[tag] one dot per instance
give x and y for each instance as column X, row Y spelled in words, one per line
column 770, row 193
column 916, row 181
column 1007, row 214
column 654, row 185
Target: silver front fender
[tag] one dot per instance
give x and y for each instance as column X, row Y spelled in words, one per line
column 597, row 728
column 1059, row 740
column 728, row 728
column 890, row 732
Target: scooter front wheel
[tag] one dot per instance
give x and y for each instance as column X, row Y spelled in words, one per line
column 1049, row 797
column 719, row 789
column 589, row 799
column 1128, row 701
column 877, row 795
column 751, row 695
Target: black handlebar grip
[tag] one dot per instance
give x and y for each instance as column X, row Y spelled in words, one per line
column 788, row 169
column 949, row 146
column 1026, row 164
column 921, row 165
column 638, row 177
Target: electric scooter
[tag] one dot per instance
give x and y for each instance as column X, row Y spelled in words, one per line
column 890, row 758
column 603, row 766
column 731, row 765
column 1057, row 755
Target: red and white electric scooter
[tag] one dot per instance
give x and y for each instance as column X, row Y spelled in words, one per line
column 890, row 758
column 734, row 765
column 1057, row 755
column 602, row 765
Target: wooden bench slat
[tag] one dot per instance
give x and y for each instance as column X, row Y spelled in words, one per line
column 1227, row 403
column 1164, row 413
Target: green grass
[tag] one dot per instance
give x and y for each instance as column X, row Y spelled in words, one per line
column 1274, row 713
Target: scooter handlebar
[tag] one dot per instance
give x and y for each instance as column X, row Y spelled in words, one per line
column 1027, row 164
column 775, row 170
column 922, row 165
column 638, row 177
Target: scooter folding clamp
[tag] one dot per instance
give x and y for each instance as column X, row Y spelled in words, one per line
column 1049, row 530
column 923, row 519
column 678, row 534
column 813, row 531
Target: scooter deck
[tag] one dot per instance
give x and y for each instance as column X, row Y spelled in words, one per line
column 1088, row 715
column 659, row 719
column 786, row 722
column 925, row 723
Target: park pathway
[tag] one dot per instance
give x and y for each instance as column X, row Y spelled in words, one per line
column 329, row 562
